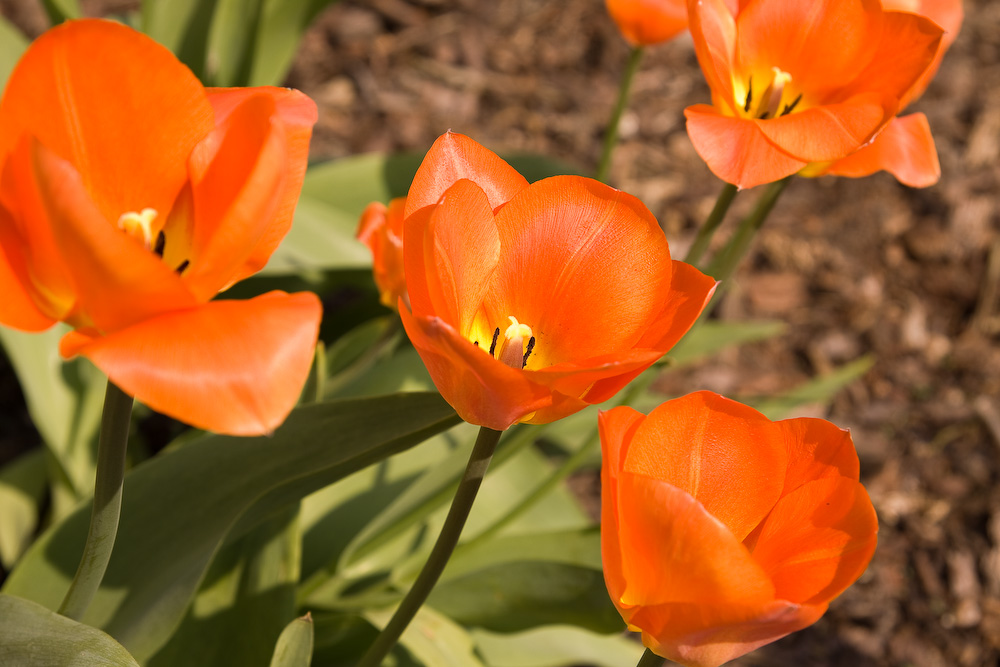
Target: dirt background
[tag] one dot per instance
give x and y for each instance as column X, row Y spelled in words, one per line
column 855, row 268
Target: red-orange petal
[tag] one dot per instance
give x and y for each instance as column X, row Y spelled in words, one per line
column 818, row 540
column 905, row 148
column 381, row 229
column 17, row 309
column 690, row 291
column 648, row 22
column 947, row 14
column 482, row 389
column 233, row 367
column 728, row 456
column 116, row 105
column 816, row 450
column 455, row 156
column 296, row 114
column 118, row 282
column 736, row 150
column 713, row 30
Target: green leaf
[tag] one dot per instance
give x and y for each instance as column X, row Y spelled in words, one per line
column 819, row 390
column 33, row 636
column 182, row 26
column 295, row 644
column 230, row 41
column 432, row 639
column 22, row 487
column 556, row 646
column 279, row 31
column 247, row 598
column 12, row 45
column 709, row 337
column 61, row 10
column 581, row 548
column 180, row 506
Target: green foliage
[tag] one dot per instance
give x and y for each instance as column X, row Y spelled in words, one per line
column 22, row 487
column 12, row 45
column 295, row 644
column 818, row 391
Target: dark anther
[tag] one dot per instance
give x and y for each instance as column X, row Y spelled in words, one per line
column 183, row 265
column 788, row 107
column 746, row 105
column 763, row 116
column 476, row 343
column 161, row 241
column 496, row 334
column 527, row 351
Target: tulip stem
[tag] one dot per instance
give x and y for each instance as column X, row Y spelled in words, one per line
column 726, row 261
column 468, row 487
column 712, row 223
column 107, row 503
column 650, row 659
column 611, row 134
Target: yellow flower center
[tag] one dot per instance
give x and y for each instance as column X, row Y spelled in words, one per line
column 516, row 346
column 139, row 225
column 770, row 102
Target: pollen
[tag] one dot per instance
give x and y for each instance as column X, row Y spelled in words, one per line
column 139, row 225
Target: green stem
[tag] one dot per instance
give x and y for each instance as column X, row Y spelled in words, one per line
column 723, row 264
column 107, row 503
column 650, row 659
column 611, row 135
column 712, row 223
column 468, row 487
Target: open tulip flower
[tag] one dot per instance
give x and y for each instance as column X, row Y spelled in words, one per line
column 648, row 22
column 381, row 229
column 721, row 530
column 530, row 302
column 806, row 86
column 129, row 197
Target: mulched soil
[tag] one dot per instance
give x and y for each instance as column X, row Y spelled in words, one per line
column 855, row 268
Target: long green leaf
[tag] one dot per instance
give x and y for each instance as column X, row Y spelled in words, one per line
column 12, row 45
column 434, row 640
column 818, row 390
column 22, row 485
column 556, row 646
column 179, row 508
column 61, row 10
column 279, row 31
column 707, row 338
column 182, row 26
column 230, row 41
column 33, row 636
column 295, row 644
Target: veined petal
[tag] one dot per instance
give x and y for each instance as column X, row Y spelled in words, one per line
column 482, row 389
column 648, row 22
column 728, row 456
column 117, row 281
column 736, row 150
column 825, row 133
column 905, row 148
column 713, row 29
column 116, row 105
column 296, row 114
column 818, row 539
column 237, row 176
column 233, row 367
column 455, row 156
column 690, row 291
column 817, row 449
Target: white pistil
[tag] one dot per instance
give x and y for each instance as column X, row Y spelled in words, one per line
column 139, row 225
column 515, row 338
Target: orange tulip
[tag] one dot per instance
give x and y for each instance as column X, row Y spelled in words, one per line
column 798, row 86
column 648, row 22
column 530, row 302
column 129, row 197
column 381, row 229
column 722, row 531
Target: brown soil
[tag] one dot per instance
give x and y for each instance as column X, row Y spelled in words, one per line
column 855, row 267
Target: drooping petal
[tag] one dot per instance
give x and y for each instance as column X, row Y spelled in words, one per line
column 713, row 29
column 825, row 133
column 818, row 540
column 736, row 150
column 381, row 229
column 113, row 103
column 673, row 550
column 727, row 456
column 584, row 265
column 816, row 450
column 690, row 291
column 17, row 308
column 648, row 22
column 233, row 367
column 296, row 114
column 449, row 253
column 947, row 14
column 905, row 148
column 118, row 282
column 482, row 389
column 455, row 156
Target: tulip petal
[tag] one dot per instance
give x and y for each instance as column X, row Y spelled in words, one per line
column 713, row 30
column 118, row 282
column 647, row 22
column 948, row 15
column 825, row 133
column 674, row 550
column 817, row 450
column 296, row 114
column 17, row 308
column 381, row 229
column 905, row 148
column 728, row 456
column 594, row 291
column 449, row 254
column 818, row 540
column 234, row 367
column 455, row 156
column 690, row 292
column 735, row 149
column 482, row 389
column 116, row 105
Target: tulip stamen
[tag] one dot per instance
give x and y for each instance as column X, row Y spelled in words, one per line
column 493, row 345
column 161, row 243
column 746, row 105
column 527, row 351
column 789, row 107
column 139, row 225
column 183, row 265
column 769, row 102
